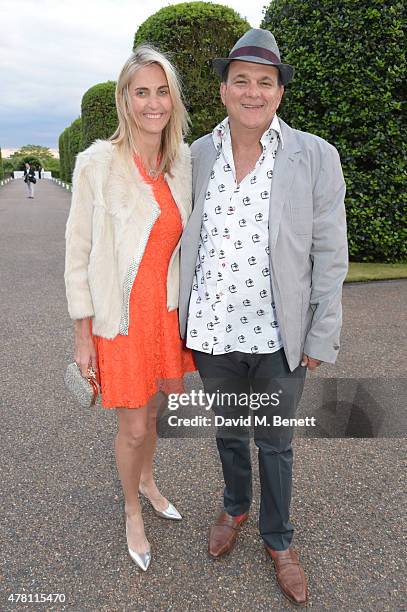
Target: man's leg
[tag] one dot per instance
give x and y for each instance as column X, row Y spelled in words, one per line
column 227, row 375
column 270, row 374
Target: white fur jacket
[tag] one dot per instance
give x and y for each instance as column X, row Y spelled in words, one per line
column 112, row 213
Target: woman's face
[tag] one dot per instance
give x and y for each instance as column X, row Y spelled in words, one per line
column 150, row 99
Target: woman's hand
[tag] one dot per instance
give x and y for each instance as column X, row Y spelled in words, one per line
column 85, row 352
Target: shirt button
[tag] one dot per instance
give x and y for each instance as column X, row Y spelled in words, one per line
column 223, row 265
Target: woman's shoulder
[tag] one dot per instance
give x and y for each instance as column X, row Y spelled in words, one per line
column 99, row 151
column 183, row 158
column 184, row 150
column 95, row 160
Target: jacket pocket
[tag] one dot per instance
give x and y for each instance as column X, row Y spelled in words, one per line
column 301, row 218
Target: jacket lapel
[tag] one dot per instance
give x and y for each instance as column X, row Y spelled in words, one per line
column 180, row 183
column 283, row 175
column 201, row 171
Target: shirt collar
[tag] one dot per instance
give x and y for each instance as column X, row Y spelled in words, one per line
column 222, row 131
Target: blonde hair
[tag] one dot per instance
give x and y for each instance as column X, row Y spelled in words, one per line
column 177, row 126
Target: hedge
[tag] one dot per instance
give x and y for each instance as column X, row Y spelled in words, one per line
column 99, row 117
column 64, row 155
column 193, row 33
column 350, row 61
column 74, row 145
column 61, row 155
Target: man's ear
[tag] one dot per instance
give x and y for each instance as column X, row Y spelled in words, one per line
column 281, row 95
column 222, row 90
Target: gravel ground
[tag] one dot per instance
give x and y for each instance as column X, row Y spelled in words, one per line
column 62, row 512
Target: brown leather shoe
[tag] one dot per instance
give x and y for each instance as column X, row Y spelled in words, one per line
column 223, row 534
column 290, row 575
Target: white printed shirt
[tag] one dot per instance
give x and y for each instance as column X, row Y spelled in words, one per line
column 231, row 306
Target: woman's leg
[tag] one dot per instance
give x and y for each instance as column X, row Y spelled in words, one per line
column 147, row 483
column 130, row 449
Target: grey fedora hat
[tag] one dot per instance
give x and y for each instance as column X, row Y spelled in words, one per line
column 257, row 46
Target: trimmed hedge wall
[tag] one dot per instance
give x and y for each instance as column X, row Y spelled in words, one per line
column 64, row 155
column 75, row 144
column 61, row 155
column 99, row 117
column 193, row 33
column 350, row 61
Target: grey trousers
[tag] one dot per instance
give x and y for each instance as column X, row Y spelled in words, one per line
column 237, row 375
column 30, row 187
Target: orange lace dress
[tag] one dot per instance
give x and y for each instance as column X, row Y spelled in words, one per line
column 152, row 356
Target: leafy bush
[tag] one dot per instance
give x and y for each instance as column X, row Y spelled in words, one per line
column 350, row 61
column 99, row 117
column 8, row 168
column 64, row 155
column 74, row 145
column 34, row 161
column 194, row 33
column 53, row 166
column 42, row 154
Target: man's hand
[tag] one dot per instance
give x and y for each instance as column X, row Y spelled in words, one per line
column 310, row 362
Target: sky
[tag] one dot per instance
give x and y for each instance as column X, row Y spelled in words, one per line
column 51, row 52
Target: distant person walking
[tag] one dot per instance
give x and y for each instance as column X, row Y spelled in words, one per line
column 29, row 179
column 40, row 169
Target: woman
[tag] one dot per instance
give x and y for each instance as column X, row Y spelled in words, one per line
column 131, row 198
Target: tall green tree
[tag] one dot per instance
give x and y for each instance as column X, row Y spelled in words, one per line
column 194, row 33
column 34, row 161
column 41, row 153
column 348, row 88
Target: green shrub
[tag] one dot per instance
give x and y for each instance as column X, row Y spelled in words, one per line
column 53, row 166
column 194, row 33
column 34, row 161
column 75, row 144
column 350, row 61
column 99, row 117
column 1, row 167
column 61, row 154
column 8, row 168
column 42, row 154
column 64, row 155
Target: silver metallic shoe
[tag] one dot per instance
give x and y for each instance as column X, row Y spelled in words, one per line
column 143, row 560
column 170, row 512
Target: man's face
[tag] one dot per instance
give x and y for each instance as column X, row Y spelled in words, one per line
column 251, row 94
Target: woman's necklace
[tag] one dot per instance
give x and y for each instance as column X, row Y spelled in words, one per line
column 151, row 171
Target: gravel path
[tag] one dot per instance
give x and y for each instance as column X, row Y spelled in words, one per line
column 62, row 515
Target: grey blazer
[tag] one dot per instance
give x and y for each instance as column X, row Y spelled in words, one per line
column 307, row 239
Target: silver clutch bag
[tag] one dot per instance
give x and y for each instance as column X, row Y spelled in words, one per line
column 85, row 390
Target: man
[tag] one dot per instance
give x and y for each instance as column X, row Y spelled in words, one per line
column 29, row 179
column 263, row 260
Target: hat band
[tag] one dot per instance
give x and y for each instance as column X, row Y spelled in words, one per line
column 255, row 52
